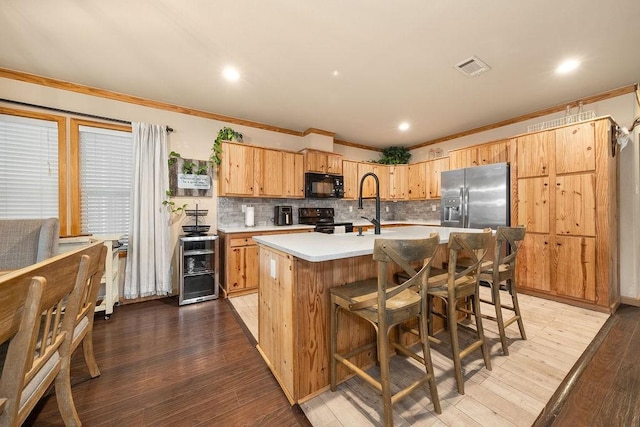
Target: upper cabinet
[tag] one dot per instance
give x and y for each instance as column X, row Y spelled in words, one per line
column 398, row 182
column 434, row 169
column 533, row 154
column 351, row 181
column 322, row 161
column 417, row 179
column 249, row 171
column 236, row 171
column 368, row 188
column 478, row 155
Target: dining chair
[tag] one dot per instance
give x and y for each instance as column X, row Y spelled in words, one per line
column 19, row 302
column 41, row 357
column 385, row 304
column 83, row 330
column 503, row 270
column 454, row 286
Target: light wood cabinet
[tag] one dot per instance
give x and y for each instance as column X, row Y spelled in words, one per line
column 417, row 179
column 434, row 169
column 478, row 155
column 322, row 161
column 369, row 187
column 351, row 181
column 249, row 171
column 239, row 267
column 398, row 182
column 236, row 170
column 571, row 249
column 293, row 175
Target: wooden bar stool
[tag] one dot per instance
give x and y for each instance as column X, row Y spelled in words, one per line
column 385, row 304
column 454, row 286
column 503, row 270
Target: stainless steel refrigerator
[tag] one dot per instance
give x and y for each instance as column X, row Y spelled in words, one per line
column 476, row 197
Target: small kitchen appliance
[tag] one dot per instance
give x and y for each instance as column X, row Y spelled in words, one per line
column 322, row 186
column 283, row 215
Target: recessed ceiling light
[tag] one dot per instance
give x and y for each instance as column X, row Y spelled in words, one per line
column 404, row 126
column 231, row 74
column 568, row 66
column 335, row 73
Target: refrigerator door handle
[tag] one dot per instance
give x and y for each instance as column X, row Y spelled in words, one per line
column 465, row 209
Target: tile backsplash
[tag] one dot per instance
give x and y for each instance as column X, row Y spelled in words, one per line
column 230, row 210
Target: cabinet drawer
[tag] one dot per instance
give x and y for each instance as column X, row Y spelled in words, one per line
column 246, row 241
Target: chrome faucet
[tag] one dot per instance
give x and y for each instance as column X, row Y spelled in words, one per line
column 375, row 221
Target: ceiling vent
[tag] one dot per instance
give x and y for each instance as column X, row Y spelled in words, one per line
column 472, row 67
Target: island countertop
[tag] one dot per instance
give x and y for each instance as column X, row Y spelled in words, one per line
column 319, row 247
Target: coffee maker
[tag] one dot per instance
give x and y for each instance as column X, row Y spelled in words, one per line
column 283, row 215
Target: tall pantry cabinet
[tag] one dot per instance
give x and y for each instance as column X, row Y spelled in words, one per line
column 565, row 192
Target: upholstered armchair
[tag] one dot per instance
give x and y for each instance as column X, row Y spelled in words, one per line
column 27, row 241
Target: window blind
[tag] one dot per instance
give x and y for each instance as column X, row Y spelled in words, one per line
column 106, row 164
column 28, row 167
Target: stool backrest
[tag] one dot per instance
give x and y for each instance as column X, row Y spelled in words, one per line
column 508, row 242
column 474, row 245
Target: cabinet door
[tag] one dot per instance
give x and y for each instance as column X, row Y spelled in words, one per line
column 463, row 158
column 398, row 182
column 533, row 204
column 242, row 268
column 236, row 176
column 533, row 154
column 575, row 148
column 350, row 173
column 417, row 178
column 334, row 164
column 533, row 269
column 496, row 152
column 293, row 175
column 381, row 171
column 574, row 267
column 575, row 212
column 268, row 172
column 434, row 172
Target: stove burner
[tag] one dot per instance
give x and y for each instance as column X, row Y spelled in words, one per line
column 323, row 219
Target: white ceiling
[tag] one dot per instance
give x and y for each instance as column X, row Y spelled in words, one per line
column 395, row 59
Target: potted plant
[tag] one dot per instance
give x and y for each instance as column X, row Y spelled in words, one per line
column 395, row 156
column 224, row 134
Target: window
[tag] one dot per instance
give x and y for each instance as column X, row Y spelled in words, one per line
column 29, row 164
column 104, row 177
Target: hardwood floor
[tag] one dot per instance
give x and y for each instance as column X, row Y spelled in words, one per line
column 197, row 365
column 167, row 365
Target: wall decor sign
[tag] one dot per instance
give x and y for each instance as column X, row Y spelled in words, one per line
column 189, row 177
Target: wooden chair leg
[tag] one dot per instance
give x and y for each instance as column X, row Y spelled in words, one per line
column 89, row 356
column 385, row 383
column 426, row 354
column 455, row 346
column 65, row 398
column 480, row 329
column 333, row 346
column 495, row 297
column 516, row 307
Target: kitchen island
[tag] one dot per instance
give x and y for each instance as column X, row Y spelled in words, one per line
column 295, row 274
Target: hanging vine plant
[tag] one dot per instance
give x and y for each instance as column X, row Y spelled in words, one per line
column 224, row 134
column 395, row 156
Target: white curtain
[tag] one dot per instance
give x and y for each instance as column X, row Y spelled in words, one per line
column 149, row 253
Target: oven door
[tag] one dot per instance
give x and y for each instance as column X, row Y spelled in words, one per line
column 321, row 186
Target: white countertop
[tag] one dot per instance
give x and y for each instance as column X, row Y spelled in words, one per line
column 284, row 228
column 318, row 247
column 263, row 228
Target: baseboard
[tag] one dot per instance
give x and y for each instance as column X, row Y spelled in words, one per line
column 630, row 301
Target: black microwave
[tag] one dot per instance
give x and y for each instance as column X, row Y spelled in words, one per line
column 321, row 186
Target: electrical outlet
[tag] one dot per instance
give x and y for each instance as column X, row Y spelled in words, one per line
column 244, row 208
column 350, row 208
column 386, row 208
column 433, row 207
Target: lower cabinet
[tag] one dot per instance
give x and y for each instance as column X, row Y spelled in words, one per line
column 239, row 261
